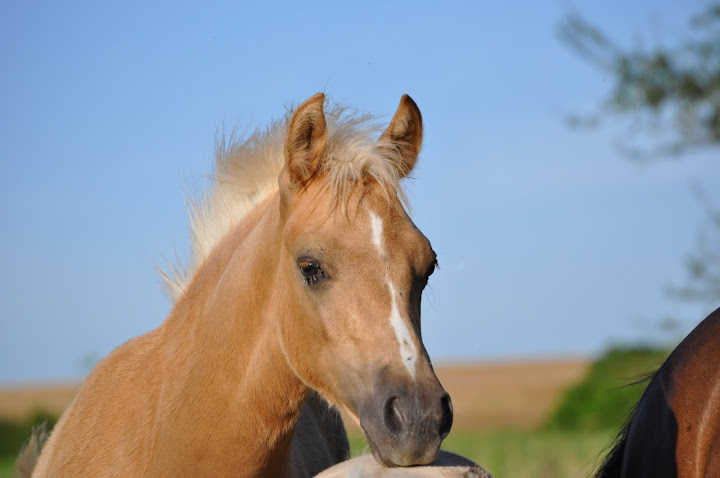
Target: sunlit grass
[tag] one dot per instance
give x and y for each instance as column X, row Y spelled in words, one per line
column 522, row 453
column 7, row 466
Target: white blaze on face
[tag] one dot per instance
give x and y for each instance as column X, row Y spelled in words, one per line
column 377, row 231
column 408, row 351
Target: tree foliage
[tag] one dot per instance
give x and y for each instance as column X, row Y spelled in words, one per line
column 673, row 91
column 605, row 397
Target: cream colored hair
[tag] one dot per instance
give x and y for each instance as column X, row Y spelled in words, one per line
column 246, row 172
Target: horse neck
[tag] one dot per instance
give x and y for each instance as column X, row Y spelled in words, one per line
column 225, row 331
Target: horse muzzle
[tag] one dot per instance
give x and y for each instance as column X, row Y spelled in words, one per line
column 406, row 427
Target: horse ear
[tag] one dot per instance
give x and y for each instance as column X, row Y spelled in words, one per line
column 404, row 135
column 306, row 139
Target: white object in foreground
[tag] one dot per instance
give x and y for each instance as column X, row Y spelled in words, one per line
column 447, row 465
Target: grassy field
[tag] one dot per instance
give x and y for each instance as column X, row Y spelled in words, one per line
column 7, row 466
column 522, row 453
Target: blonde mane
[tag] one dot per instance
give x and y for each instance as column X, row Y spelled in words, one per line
column 246, row 172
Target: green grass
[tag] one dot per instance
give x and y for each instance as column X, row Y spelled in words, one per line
column 7, row 466
column 523, row 454
column 531, row 453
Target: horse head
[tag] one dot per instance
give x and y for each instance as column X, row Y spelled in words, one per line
column 353, row 267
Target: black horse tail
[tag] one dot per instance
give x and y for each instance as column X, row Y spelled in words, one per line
column 611, row 466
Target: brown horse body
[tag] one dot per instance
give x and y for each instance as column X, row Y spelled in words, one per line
column 675, row 430
column 313, row 295
column 183, row 400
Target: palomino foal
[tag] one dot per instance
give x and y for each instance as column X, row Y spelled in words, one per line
column 306, row 283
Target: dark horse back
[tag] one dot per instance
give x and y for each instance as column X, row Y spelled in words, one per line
column 675, row 428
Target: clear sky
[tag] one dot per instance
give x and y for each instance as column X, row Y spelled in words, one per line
column 550, row 243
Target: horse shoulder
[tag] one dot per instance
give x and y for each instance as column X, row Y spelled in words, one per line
column 95, row 436
column 676, row 425
column 695, row 399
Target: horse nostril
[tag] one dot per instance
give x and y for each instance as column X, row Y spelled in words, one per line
column 447, row 416
column 391, row 414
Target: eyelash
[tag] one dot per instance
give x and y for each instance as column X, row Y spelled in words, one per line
column 434, row 265
column 311, row 270
column 313, row 273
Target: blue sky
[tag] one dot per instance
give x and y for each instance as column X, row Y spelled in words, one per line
column 550, row 243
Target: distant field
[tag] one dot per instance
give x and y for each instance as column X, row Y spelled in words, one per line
column 18, row 403
column 517, row 395
column 485, row 396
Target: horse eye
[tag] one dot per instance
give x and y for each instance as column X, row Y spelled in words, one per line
column 433, row 265
column 311, row 270
column 308, row 268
